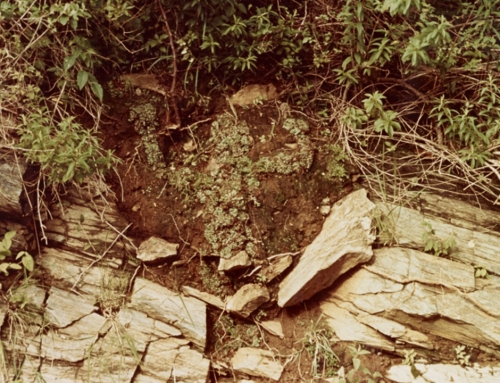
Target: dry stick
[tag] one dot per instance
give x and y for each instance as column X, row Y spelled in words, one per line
column 174, row 56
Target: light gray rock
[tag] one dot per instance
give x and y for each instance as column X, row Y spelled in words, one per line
column 57, row 372
column 143, row 329
column 186, row 313
column 254, row 93
column 472, row 246
column 441, row 310
column 348, row 328
column 172, row 359
column 115, row 356
column 205, row 297
column 89, row 225
column 344, row 242
column 257, row 362
column 239, row 261
column 247, row 299
column 276, row 267
column 154, row 249
column 408, row 265
column 64, row 308
column 11, row 184
column 29, row 294
column 444, row 373
column 273, row 327
column 70, row 344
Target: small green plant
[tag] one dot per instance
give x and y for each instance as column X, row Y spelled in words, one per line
column 435, row 245
column 318, row 346
column 353, row 375
column 409, row 360
column 335, row 166
column 26, row 259
column 461, row 356
column 480, row 272
column 113, row 292
column 66, row 152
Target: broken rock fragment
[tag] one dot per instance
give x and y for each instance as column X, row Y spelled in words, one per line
column 154, row 249
column 276, row 267
column 254, row 93
column 274, row 327
column 257, row 362
column 344, row 242
column 247, row 299
column 186, row 313
column 203, row 296
column 239, row 261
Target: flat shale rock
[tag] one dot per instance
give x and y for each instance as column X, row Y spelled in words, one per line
column 252, row 93
column 11, row 185
column 439, row 302
column 444, row 373
column 276, row 267
column 186, row 313
column 74, row 272
column 205, row 297
column 476, row 246
column 257, row 362
column 84, row 224
column 173, row 360
column 408, row 265
column 344, row 242
column 70, row 344
column 64, row 308
column 154, row 249
column 247, row 299
column 239, row 261
column 273, row 327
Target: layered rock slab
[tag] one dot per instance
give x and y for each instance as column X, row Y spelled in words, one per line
column 343, row 243
column 257, row 362
column 186, row 313
column 443, row 299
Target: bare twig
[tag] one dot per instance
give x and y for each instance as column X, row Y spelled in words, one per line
column 174, row 64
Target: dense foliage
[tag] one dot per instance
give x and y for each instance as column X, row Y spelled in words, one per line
column 385, row 75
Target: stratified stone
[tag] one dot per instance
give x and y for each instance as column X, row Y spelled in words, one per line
column 444, row 373
column 276, row 267
column 70, row 344
column 247, row 299
column 172, row 360
column 203, row 296
column 257, row 362
column 344, row 242
column 438, row 300
column 274, row 327
column 186, row 313
column 154, row 249
column 64, row 307
column 254, row 93
column 239, row 261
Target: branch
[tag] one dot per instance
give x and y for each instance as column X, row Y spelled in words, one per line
column 174, row 56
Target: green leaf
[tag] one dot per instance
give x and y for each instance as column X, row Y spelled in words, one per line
column 27, row 261
column 69, row 62
column 356, row 363
column 4, row 267
column 10, row 234
column 82, row 78
column 97, row 90
column 64, row 19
